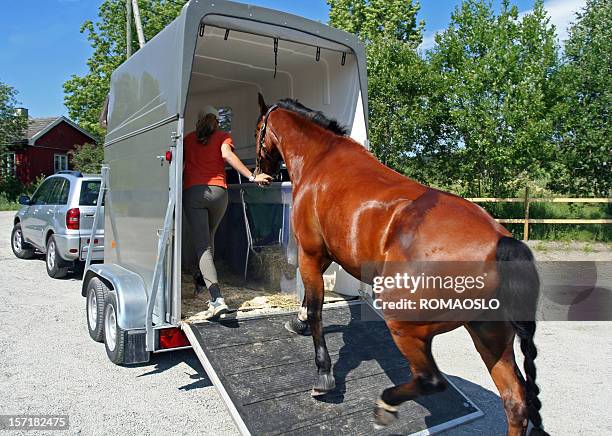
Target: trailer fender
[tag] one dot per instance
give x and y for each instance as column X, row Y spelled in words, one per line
column 129, row 289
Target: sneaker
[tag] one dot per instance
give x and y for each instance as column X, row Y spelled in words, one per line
column 216, row 308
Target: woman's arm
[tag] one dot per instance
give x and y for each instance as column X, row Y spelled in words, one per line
column 230, row 157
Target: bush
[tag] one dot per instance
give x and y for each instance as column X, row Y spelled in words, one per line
column 6, row 204
column 11, row 188
column 88, row 158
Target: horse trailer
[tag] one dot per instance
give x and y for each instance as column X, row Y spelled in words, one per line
column 223, row 54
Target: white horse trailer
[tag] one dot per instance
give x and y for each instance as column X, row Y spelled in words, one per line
column 222, row 54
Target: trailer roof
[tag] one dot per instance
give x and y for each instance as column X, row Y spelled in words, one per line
column 151, row 86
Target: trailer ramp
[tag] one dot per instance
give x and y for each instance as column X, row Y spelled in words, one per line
column 265, row 375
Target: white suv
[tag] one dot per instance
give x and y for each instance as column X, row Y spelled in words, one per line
column 57, row 221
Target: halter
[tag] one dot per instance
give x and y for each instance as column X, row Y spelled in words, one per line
column 262, row 152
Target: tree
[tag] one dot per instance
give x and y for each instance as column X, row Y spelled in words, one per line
column 85, row 95
column 373, row 19
column 584, row 132
column 88, row 158
column 12, row 125
column 399, row 80
column 497, row 89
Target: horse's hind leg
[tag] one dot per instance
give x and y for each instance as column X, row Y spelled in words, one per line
column 495, row 343
column 415, row 345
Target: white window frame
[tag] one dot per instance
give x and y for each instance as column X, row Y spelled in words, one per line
column 9, row 164
column 60, row 163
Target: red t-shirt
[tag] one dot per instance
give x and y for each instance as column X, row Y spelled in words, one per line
column 204, row 164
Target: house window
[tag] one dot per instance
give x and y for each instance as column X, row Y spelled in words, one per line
column 60, row 162
column 9, row 164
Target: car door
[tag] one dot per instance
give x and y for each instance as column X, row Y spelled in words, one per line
column 33, row 222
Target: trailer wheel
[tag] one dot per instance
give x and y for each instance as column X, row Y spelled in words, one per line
column 57, row 267
column 94, row 308
column 20, row 247
column 114, row 336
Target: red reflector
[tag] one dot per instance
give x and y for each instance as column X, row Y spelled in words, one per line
column 169, row 156
column 73, row 250
column 73, row 219
column 172, row 338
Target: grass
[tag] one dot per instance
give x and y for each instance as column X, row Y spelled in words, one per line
column 557, row 232
column 7, row 205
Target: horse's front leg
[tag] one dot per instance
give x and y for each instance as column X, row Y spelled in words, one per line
column 311, row 269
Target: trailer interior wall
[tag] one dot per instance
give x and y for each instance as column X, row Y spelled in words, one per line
column 230, row 72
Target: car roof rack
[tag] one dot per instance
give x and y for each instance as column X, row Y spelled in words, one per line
column 72, row 173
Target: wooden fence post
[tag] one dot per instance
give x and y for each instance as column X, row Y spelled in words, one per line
column 526, row 225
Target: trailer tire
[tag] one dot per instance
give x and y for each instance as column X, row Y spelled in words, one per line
column 57, row 267
column 21, row 249
column 114, row 336
column 94, row 308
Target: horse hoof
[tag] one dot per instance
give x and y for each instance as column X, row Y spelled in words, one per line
column 298, row 327
column 324, row 384
column 384, row 416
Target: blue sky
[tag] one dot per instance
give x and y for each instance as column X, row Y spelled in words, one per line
column 40, row 43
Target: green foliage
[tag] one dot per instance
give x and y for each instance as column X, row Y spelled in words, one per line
column 583, row 114
column 12, row 126
column 85, row 95
column 11, row 188
column 496, row 85
column 558, row 232
column 6, row 204
column 373, row 19
column 88, row 158
column 399, row 81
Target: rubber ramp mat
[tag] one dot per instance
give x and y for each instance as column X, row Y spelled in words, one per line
column 265, row 375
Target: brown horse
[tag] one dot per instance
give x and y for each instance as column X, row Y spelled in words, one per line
column 351, row 209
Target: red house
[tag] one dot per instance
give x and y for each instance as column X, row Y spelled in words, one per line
column 44, row 150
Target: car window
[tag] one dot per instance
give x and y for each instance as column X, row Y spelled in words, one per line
column 54, row 196
column 64, row 192
column 41, row 195
column 89, row 193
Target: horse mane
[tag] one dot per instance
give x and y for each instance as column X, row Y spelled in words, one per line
column 316, row 117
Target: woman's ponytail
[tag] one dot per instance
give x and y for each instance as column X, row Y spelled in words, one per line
column 205, row 128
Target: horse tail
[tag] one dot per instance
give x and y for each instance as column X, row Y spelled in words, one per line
column 519, row 291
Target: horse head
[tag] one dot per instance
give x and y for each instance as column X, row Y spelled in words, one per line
column 268, row 155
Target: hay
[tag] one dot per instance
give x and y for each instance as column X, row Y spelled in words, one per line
column 240, row 298
column 268, row 273
column 268, row 265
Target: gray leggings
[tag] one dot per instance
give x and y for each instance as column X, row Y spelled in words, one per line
column 204, row 208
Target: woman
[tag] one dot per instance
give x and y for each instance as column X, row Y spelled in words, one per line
column 206, row 151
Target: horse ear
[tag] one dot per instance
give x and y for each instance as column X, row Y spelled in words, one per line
column 263, row 107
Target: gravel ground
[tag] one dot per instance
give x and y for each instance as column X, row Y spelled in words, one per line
column 49, row 365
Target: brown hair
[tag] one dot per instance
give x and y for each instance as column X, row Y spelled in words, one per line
column 205, row 127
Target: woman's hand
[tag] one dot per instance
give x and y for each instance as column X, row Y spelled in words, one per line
column 263, row 179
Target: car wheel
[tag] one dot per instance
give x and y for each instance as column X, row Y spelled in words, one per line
column 56, row 266
column 114, row 336
column 94, row 308
column 21, row 249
